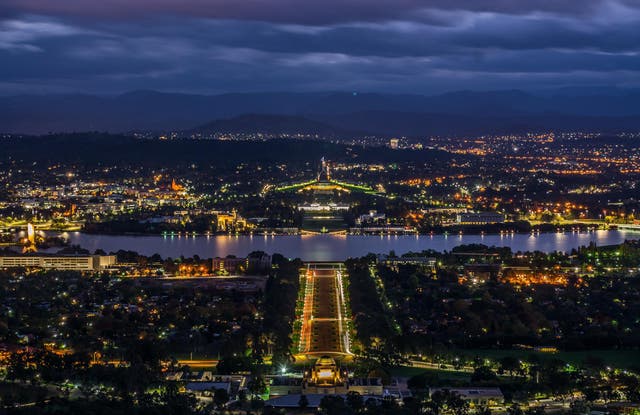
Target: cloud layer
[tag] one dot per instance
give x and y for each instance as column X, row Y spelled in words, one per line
column 377, row 45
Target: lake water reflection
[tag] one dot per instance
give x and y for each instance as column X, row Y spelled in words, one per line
column 337, row 248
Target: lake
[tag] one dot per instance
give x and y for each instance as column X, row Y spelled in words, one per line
column 337, row 247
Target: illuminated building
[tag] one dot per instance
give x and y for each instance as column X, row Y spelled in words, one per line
column 324, row 169
column 230, row 221
column 325, row 377
column 328, row 207
column 481, row 218
column 73, row 208
column 176, row 187
column 325, row 188
column 325, row 374
column 59, row 262
column 229, row 265
column 31, row 240
column 256, row 261
column 323, row 184
column 31, row 234
column 422, row 261
column 372, row 217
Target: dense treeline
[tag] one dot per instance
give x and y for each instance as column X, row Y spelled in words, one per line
column 121, row 226
column 371, row 321
column 108, row 315
column 144, row 325
column 100, row 148
column 279, row 306
column 149, row 404
column 436, row 311
column 138, row 387
column 377, row 337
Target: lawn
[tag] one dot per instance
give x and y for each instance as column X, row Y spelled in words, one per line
column 408, row 371
column 622, row 359
column 11, row 393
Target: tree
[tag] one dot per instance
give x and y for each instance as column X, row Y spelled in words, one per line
column 355, row 401
column 483, row 374
column 257, row 386
column 458, row 405
column 591, row 394
column 423, row 381
column 256, row 404
column 509, row 364
column 445, row 401
column 515, row 410
column 579, row 407
column 303, row 402
column 242, row 395
column 220, row 397
column 332, row 405
column 437, row 401
column 177, row 403
column 537, row 410
column 234, row 364
column 19, row 367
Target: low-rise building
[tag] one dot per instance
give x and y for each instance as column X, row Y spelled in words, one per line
column 372, row 217
column 254, row 262
column 285, row 385
column 366, row 386
column 60, row 262
column 326, row 207
column 229, row 265
column 230, row 221
column 207, row 389
column 480, row 218
column 429, row 262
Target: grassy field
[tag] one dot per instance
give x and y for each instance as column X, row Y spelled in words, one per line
column 407, row 371
column 622, row 359
column 20, row 394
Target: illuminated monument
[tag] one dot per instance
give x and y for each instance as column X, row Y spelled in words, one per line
column 323, row 183
column 325, row 374
column 326, row 377
column 323, row 200
column 176, row 187
column 30, row 245
column 324, row 169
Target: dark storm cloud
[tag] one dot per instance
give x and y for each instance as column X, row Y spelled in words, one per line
column 387, row 45
column 296, row 11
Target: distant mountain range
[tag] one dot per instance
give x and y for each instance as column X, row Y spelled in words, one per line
column 462, row 112
column 423, row 124
column 272, row 124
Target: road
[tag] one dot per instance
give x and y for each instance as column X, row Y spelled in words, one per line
column 192, row 363
column 324, row 326
column 439, row 366
column 71, row 226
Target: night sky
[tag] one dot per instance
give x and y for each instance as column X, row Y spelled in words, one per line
column 213, row 46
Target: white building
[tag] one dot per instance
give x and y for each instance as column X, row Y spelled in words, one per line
column 480, row 218
column 372, row 217
column 317, row 207
column 60, row 262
